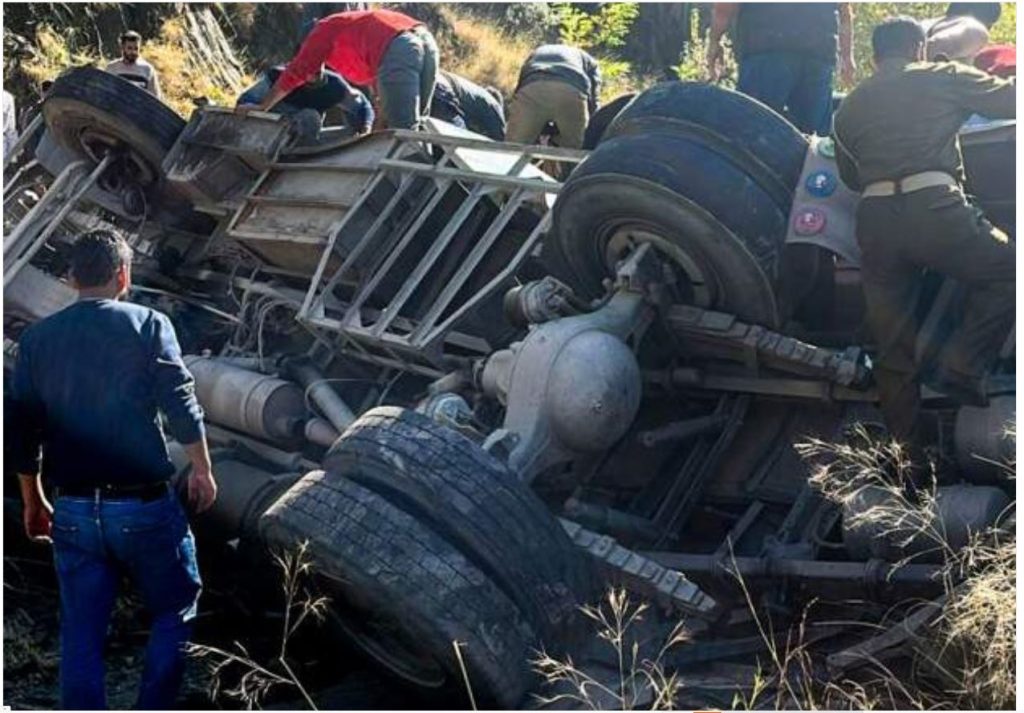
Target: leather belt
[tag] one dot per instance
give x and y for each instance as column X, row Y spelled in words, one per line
column 143, row 491
column 909, row 184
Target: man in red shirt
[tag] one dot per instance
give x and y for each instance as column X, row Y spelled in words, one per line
column 391, row 52
column 1000, row 60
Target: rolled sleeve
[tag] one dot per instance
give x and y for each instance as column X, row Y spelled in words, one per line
column 358, row 110
column 174, row 385
column 28, row 415
column 306, row 63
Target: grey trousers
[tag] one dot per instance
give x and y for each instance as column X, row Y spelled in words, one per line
column 405, row 78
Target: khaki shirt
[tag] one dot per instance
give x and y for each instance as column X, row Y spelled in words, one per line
column 905, row 118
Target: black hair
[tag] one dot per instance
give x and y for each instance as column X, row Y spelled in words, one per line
column 129, row 35
column 987, row 13
column 97, row 256
column 897, row 37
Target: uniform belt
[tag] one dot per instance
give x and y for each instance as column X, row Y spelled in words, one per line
column 909, row 184
column 107, row 491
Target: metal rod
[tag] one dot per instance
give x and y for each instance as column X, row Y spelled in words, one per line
column 797, row 388
column 427, row 262
column 363, row 243
column 51, row 226
column 495, row 281
column 23, row 139
column 410, row 233
column 551, row 153
column 767, row 568
column 324, row 396
column 297, row 202
column 334, row 168
column 14, row 180
column 325, row 256
column 469, row 265
column 538, row 185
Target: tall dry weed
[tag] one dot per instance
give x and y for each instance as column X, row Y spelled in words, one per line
column 640, row 682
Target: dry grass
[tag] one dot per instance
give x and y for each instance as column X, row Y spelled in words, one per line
column 182, row 75
column 52, row 56
column 481, row 52
column 970, row 648
column 962, row 658
column 642, row 683
column 256, row 679
column 977, row 633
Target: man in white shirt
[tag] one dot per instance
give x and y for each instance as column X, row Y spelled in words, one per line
column 10, row 125
column 132, row 67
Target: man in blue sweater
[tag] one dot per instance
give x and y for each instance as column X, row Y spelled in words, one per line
column 327, row 91
column 88, row 385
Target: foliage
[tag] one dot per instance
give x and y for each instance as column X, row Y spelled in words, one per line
column 595, row 32
column 603, row 33
column 970, row 646
column 479, row 51
column 53, row 54
column 692, row 66
column 640, row 682
column 256, row 679
column 182, row 74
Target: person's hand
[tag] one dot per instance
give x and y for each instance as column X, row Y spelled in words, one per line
column 38, row 518
column 847, row 70
column 243, row 109
column 714, row 60
column 202, row 490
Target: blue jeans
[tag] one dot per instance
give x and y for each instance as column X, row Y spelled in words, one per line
column 94, row 543
column 797, row 86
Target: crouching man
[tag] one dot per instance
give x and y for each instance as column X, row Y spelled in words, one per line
column 88, row 384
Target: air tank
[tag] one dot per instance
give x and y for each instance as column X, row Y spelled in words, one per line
column 247, row 401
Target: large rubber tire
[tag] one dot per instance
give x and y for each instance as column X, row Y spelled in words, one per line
column 88, row 102
column 754, row 137
column 603, row 118
column 393, row 573
column 477, row 504
column 87, row 98
column 709, row 217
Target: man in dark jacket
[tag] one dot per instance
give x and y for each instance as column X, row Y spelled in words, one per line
column 459, row 101
column 87, row 388
column 896, row 141
column 324, row 92
column 787, row 55
column 558, row 84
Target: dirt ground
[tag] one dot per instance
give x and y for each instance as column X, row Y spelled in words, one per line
column 31, row 645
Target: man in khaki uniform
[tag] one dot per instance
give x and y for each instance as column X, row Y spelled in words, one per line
column 557, row 84
column 896, row 137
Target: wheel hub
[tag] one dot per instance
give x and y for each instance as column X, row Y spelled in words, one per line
column 128, row 173
column 692, row 283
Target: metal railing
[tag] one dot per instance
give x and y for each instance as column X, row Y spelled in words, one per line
column 413, row 227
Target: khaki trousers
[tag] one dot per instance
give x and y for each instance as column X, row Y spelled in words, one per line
column 541, row 101
column 933, row 228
